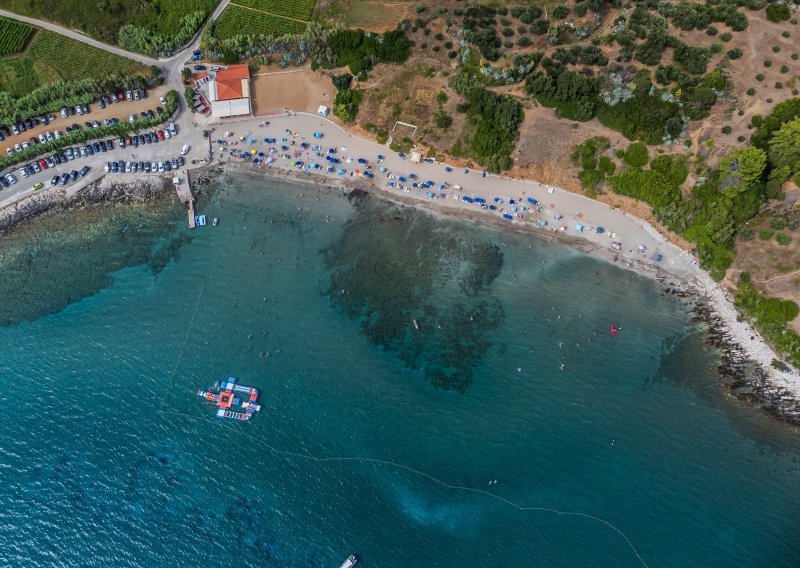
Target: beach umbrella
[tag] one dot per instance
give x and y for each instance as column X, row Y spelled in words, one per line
column 600, row 230
column 657, row 257
column 253, row 152
column 383, row 168
column 481, row 200
column 441, row 186
column 284, row 148
column 415, row 185
column 467, row 199
column 331, row 150
column 514, row 208
column 498, row 200
column 380, row 157
column 412, row 175
column 362, row 161
column 330, row 169
column 507, row 216
column 401, row 178
column 401, row 154
column 492, row 207
column 511, row 201
column 392, row 184
column 315, row 165
column 261, row 154
column 431, row 194
column 340, row 171
column 532, row 201
column 448, row 169
column 255, row 160
column 465, row 171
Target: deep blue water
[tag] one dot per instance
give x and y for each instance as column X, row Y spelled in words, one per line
column 374, row 438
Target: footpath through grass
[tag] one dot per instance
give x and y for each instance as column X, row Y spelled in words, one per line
column 51, row 57
column 102, row 19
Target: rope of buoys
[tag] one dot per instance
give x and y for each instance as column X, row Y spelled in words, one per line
column 396, row 465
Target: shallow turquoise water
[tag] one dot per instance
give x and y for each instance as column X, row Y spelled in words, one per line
column 375, row 438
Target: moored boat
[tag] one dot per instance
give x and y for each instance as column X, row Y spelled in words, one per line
column 350, row 562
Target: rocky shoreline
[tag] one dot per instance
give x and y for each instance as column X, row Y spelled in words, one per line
column 104, row 189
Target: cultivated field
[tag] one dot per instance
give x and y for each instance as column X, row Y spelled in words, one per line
column 295, row 9
column 102, row 19
column 13, row 36
column 268, row 17
column 376, row 16
column 51, row 57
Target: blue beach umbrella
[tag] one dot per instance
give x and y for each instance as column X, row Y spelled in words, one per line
column 467, row 199
column 507, row 216
column 498, row 200
column 383, row 168
column 448, row 169
column 430, row 194
column 514, row 208
column 480, row 200
column 492, row 207
column 362, row 161
column 532, row 201
column 380, row 157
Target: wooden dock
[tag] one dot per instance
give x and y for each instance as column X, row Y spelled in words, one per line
column 185, row 195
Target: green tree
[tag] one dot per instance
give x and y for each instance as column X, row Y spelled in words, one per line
column 784, row 147
column 745, row 163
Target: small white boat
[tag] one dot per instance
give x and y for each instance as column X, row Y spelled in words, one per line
column 214, row 222
column 350, row 562
column 416, row 325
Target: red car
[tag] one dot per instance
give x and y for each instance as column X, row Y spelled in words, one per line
column 43, row 164
column 120, row 96
column 160, row 135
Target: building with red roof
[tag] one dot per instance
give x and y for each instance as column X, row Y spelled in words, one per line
column 229, row 92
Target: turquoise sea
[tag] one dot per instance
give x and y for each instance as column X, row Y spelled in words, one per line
column 375, row 438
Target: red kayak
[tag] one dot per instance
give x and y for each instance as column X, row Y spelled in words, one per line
column 613, row 330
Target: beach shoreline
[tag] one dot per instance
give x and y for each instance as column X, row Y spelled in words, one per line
column 678, row 270
column 745, row 358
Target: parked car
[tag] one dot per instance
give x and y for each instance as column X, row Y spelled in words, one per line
column 167, row 135
column 4, row 182
column 10, row 151
column 159, row 110
column 163, row 101
column 135, row 141
column 25, row 145
column 147, row 138
column 160, row 135
column 200, row 67
column 106, row 121
column 85, row 109
column 174, row 164
column 114, row 167
column 185, row 150
column 134, row 167
column 83, row 152
column 150, row 113
column 12, row 179
column 197, row 52
column 141, row 166
column 110, row 143
column 197, row 57
column 57, row 134
column 50, row 161
column 132, row 117
column 147, row 167
column 128, row 95
column 75, row 126
column 42, row 139
column 143, row 114
column 103, row 147
column 64, row 113
column 64, row 179
column 136, row 96
column 143, row 93
column 114, row 120
column 128, row 167
column 172, row 127
column 38, row 185
column 85, row 170
column 73, row 175
column 107, row 167
column 36, row 167
column 154, row 167
column 161, row 167
column 42, row 164
column 79, row 110
column 87, row 124
column 55, row 180
column 167, row 166
column 215, row 68
column 100, row 103
column 121, row 166
column 141, row 139
column 48, row 135
column 122, row 142
column 23, row 172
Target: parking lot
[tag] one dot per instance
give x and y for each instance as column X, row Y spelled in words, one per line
column 156, row 152
column 118, row 110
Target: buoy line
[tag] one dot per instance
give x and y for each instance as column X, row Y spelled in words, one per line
column 396, row 465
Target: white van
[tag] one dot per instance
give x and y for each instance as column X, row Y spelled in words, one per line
column 172, row 127
column 185, row 150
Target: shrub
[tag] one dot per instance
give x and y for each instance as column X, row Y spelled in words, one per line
column 452, row 54
column 345, row 105
column 636, row 156
column 760, row 77
column 734, row 53
column 712, row 31
column 778, row 13
column 508, row 44
column 786, row 33
column 580, row 9
column 524, row 41
column 507, row 32
column 560, row 12
column 448, row 45
column 439, row 37
column 776, row 49
column 783, row 239
column 342, row 82
column 777, row 224
column 726, row 36
column 784, row 69
column 505, row 22
column 540, row 27
column 741, row 138
column 765, row 234
column 751, row 91
column 795, row 56
column 767, row 63
column 779, row 85
column 726, row 129
column 436, row 48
